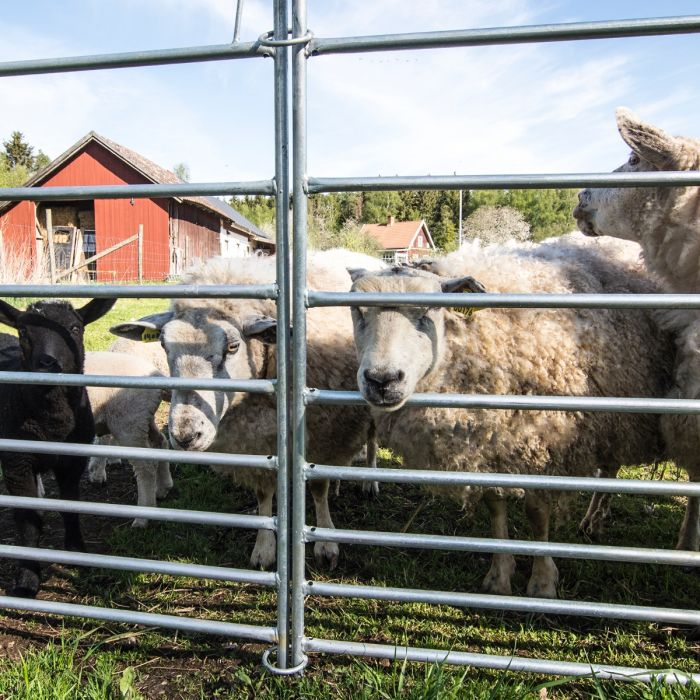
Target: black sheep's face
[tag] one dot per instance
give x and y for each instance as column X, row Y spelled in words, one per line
column 51, row 338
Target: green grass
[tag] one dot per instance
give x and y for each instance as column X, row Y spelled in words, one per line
column 83, row 660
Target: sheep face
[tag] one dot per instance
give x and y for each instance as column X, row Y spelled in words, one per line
column 631, row 212
column 51, row 333
column 398, row 347
column 201, row 343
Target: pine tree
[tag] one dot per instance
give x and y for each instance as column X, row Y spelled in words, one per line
column 18, row 153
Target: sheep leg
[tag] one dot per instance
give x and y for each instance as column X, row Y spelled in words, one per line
column 497, row 580
column 689, row 534
column 145, row 473
column 325, row 553
column 164, row 480
column 21, row 481
column 68, row 473
column 371, row 488
column 97, row 466
column 265, row 550
column 592, row 525
column 544, row 577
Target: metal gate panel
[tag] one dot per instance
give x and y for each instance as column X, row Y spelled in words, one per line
column 292, row 395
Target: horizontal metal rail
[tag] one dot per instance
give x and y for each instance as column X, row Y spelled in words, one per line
column 141, row 291
column 492, row 661
column 119, row 510
column 574, row 31
column 52, row 194
column 222, row 459
column 132, row 59
column 603, row 404
column 633, row 555
column 248, row 386
column 548, row 482
column 131, row 617
column 680, row 178
column 506, row 301
column 146, row 566
column 483, row 601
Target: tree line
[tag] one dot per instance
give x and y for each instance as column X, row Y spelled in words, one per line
column 489, row 214
column 18, row 162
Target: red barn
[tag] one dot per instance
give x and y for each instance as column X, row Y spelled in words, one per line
column 176, row 231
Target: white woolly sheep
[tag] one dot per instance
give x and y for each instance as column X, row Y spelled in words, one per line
column 236, row 338
column 666, row 222
column 126, row 416
column 569, row 352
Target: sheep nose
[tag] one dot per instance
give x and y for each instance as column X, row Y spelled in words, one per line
column 46, row 362
column 186, row 442
column 382, row 379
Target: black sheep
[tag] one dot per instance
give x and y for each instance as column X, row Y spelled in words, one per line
column 50, row 340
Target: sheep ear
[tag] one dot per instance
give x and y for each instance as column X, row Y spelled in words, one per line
column 95, row 309
column 650, row 142
column 462, row 284
column 146, row 329
column 356, row 272
column 262, row 328
column 8, row 314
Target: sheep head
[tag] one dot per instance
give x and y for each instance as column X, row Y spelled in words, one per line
column 202, row 342
column 399, row 346
column 636, row 213
column 51, row 332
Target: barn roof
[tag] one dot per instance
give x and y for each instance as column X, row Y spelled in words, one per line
column 397, row 235
column 151, row 171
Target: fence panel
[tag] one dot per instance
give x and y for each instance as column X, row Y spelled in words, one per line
column 290, row 645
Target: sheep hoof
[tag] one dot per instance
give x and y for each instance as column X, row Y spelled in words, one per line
column 261, row 560
column 326, row 554
column 97, row 474
column 497, row 580
column 542, row 589
column 370, row 488
column 26, row 585
column 139, row 522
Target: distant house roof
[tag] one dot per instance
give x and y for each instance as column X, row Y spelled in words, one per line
column 151, row 171
column 398, row 235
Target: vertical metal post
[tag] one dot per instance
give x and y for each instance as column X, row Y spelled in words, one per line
column 49, row 240
column 461, row 192
column 284, row 451
column 237, row 27
column 140, row 253
column 299, row 324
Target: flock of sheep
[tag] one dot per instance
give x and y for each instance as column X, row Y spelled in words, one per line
column 392, row 352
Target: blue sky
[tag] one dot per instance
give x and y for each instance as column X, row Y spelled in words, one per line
column 526, row 108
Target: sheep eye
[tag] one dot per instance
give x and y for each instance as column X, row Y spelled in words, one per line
column 634, row 159
column 232, row 348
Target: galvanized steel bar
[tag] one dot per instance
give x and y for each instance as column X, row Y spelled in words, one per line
column 507, row 301
column 132, row 59
column 520, row 481
column 248, row 386
column 483, row 601
column 131, row 617
column 52, row 194
column 119, row 510
column 149, row 566
column 223, row 459
column 518, row 403
column 634, row 555
column 299, row 126
column 155, row 291
column 609, row 29
column 492, row 661
column 281, row 69
column 681, row 178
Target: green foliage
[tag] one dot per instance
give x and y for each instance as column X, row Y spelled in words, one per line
column 258, row 209
column 182, row 170
column 18, row 162
column 350, row 236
